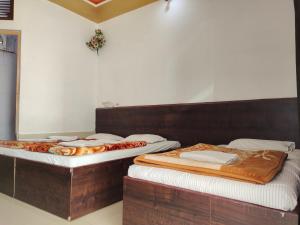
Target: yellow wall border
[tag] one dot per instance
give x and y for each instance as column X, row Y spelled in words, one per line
column 18, row 34
column 103, row 12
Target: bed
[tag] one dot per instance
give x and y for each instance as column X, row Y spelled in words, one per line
column 71, row 186
column 153, row 196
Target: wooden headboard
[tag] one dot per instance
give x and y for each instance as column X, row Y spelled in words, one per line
column 215, row 123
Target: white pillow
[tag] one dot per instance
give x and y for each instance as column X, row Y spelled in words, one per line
column 149, row 138
column 64, row 138
column 87, row 143
column 258, row 144
column 104, row 136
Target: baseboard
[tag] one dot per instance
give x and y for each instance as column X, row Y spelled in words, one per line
column 45, row 135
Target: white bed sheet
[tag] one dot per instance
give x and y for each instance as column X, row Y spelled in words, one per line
column 281, row 193
column 76, row 161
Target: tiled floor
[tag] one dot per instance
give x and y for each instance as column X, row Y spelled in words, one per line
column 14, row 212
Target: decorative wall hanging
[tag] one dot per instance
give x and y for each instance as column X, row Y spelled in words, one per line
column 97, row 41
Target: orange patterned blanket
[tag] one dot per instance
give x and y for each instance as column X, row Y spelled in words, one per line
column 78, row 151
column 55, row 148
column 251, row 166
column 29, row 146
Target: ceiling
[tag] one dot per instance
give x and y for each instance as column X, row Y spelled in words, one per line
column 101, row 10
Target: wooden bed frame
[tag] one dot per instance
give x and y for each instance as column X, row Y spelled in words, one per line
column 64, row 192
column 148, row 203
column 67, row 193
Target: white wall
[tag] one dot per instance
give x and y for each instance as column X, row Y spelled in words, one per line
column 57, row 69
column 7, row 94
column 200, row 50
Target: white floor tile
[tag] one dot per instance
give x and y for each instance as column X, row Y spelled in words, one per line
column 14, row 212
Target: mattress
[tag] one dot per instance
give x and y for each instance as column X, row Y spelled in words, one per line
column 77, row 161
column 281, row 193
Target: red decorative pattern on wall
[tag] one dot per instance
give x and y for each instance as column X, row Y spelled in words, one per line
column 96, row 2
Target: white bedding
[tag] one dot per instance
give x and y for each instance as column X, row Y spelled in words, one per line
column 76, row 161
column 281, row 193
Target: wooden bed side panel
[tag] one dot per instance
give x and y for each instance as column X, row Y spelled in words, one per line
column 7, row 175
column 97, row 186
column 230, row 212
column 214, row 123
column 44, row 186
column 148, row 203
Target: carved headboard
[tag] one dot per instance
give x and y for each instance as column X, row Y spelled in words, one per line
column 214, row 123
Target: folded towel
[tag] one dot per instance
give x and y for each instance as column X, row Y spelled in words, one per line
column 63, row 138
column 87, row 143
column 210, row 157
